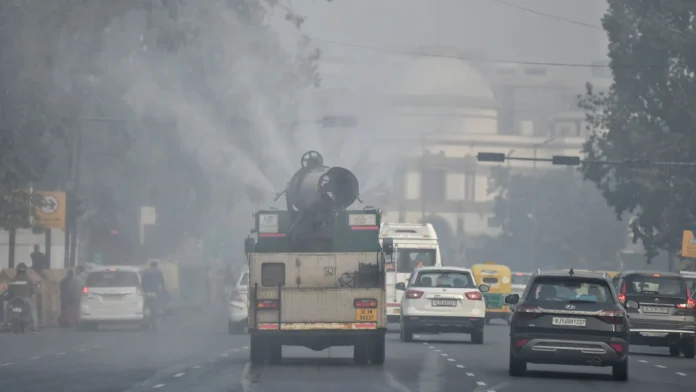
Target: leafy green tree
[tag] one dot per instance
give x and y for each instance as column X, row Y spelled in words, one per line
column 648, row 114
column 575, row 227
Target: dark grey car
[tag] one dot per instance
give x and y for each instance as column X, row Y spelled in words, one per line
column 666, row 314
column 565, row 318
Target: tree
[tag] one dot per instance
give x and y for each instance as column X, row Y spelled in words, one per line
column 648, row 114
column 575, row 226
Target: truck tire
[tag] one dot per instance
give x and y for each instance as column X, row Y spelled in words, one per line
column 688, row 349
column 378, row 350
column 275, row 353
column 361, row 353
column 258, row 350
column 477, row 337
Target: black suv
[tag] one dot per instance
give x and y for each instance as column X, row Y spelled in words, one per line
column 568, row 318
column 666, row 314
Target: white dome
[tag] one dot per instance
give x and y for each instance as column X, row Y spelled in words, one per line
column 444, row 76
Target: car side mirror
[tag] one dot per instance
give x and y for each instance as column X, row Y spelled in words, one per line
column 631, row 305
column 401, row 286
column 512, row 299
column 484, row 288
column 388, row 246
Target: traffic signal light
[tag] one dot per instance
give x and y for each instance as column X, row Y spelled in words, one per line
column 565, row 160
column 490, row 157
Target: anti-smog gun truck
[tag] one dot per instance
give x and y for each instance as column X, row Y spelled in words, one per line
column 317, row 270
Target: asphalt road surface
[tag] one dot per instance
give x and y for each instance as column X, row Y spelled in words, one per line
column 193, row 352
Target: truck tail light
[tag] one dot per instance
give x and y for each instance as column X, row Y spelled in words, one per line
column 365, row 303
column 267, row 304
column 414, row 294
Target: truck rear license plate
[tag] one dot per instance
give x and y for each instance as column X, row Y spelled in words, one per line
column 569, row 322
column 366, row 314
column 655, row 309
column 17, row 310
column 444, row 302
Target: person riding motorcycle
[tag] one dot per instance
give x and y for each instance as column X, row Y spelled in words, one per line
column 153, row 282
column 22, row 287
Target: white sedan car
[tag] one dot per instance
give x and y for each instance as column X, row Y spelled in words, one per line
column 111, row 295
column 442, row 300
column 238, row 297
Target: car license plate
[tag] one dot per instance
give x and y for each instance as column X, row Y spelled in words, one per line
column 569, row 322
column 366, row 314
column 444, row 302
column 654, row 334
column 396, row 311
column 17, row 310
column 655, row 309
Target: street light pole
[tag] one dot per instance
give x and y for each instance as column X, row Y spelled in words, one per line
column 535, row 221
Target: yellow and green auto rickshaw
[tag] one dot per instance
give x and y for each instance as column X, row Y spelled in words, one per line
column 499, row 278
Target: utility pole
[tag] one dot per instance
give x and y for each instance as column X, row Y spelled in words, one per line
column 535, row 201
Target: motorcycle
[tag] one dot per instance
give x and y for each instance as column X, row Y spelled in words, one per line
column 151, row 312
column 19, row 316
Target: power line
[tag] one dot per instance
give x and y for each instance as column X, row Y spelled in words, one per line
column 479, row 59
column 535, row 12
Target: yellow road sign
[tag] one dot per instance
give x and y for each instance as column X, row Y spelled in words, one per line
column 688, row 244
column 52, row 210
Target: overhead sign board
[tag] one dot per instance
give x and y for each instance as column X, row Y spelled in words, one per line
column 51, row 210
column 688, row 244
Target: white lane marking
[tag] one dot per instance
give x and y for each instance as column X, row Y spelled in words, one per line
column 34, row 358
column 450, row 359
column 438, row 351
column 225, row 355
column 481, row 383
column 60, row 354
column 6, row 364
column 443, row 354
column 236, row 349
column 245, row 347
column 197, row 367
column 661, row 367
column 681, row 374
column 81, row 350
column 394, row 383
column 642, row 361
column 460, row 366
column 470, row 374
column 178, row 375
column 158, row 386
column 96, row 346
column 431, row 346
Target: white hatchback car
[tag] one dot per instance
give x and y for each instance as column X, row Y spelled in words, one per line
column 238, row 303
column 111, row 295
column 442, row 300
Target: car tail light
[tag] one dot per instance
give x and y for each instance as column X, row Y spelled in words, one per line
column 521, row 342
column 267, row 304
column 85, row 290
column 236, row 296
column 365, row 303
column 618, row 347
column 528, row 312
column 622, row 294
column 690, row 304
column 474, row 296
column 414, row 294
column 612, row 316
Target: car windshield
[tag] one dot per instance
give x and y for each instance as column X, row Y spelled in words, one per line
column 112, row 279
column 571, row 290
column 520, row 279
column 409, row 259
column 243, row 282
column 655, row 285
column 454, row 279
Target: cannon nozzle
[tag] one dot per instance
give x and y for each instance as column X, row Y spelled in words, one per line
column 316, row 187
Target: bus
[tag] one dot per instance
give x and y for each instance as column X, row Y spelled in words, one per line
column 415, row 245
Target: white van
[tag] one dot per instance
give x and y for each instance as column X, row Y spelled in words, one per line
column 415, row 245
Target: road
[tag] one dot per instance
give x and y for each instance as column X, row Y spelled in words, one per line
column 193, row 352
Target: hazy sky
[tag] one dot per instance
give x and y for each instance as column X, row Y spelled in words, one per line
column 501, row 31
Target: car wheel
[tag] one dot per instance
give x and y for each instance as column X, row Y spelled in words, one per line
column 488, row 321
column 406, row 334
column 688, row 349
column 275, row 353
column 620, row 371
column 477, row 337
column 517, row 367
column 674, row 351
column 378, row 350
